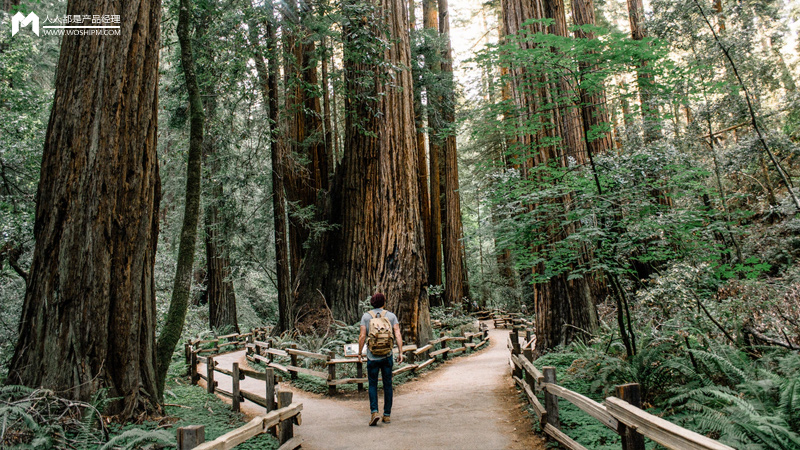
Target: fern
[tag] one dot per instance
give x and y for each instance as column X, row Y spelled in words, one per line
column 790, row 403
column 137, row 438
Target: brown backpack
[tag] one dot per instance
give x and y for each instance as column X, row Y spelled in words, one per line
column 380, row 338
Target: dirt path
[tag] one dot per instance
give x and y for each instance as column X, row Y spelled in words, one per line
column 468, row 403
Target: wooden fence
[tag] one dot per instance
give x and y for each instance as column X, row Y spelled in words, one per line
column 281, row 415
column 621, row 414
column 279, row 422
column 230, row 343
column 288, row 359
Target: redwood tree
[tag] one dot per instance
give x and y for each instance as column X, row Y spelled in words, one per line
column 564, row 307
column 456, row 286
column 430, row 20
column 377, row 243
column 593, row 104
column 88, row 320
column 268, row 71
column 652, row 130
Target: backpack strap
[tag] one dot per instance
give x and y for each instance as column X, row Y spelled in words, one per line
column 373, row 314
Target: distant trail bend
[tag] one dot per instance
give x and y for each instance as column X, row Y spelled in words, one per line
column 467, row 403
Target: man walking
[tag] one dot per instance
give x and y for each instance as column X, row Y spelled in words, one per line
column 381, row 325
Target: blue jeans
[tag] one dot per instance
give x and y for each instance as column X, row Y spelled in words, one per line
column 384, row 366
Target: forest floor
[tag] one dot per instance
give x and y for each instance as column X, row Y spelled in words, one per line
column 466, row 403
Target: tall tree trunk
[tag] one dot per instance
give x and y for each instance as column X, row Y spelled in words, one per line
column 593, row 105
column 307, row 161
column 571, row 124
column 650, row 116
column 219, row 294
column 377, row 245
column 564, row 308
column 434, row 253
column 456, row 286
column 268, row 78
column 88, row 318
column 422, row 177
column 326, row 103
column 181, row 288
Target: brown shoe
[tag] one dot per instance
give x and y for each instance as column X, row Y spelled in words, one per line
column 374, row 419
column 387, row 419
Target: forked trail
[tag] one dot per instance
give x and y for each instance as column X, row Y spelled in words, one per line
column 468, row 403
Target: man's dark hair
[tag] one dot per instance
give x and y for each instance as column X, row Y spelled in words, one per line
column 377, row 300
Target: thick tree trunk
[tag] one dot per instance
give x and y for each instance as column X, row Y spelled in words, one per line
column 181, row 288
column 307, row 161
column 563, row 307
column 88, row 319
column 220, row 293
column 454, row 258
column 650, row 116
column 268, row 78
column 378, row 244
column 434, row 245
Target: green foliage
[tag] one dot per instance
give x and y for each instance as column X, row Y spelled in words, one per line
column 748, row 404
column 137, row 438
column 451, row 319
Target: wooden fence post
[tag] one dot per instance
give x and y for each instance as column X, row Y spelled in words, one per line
column 442, row 345
column 515, row 342
column 294, row 363
column 187, row 350
column 331, row 373
column 550, row 400
column 191, row 436
column 210, row 384
column 269, row 374
column 193, row 369
column 360, row 374
column 235, row 389
column 286, row 426
column 631, row 440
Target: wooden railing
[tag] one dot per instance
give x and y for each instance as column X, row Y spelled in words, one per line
column 279, row 422
column 281, row 415
column 236, row 342
column 287, row 359
column 621, row 414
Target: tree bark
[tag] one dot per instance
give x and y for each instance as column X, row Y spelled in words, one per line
column 375, row 203
column 88, row 319
column 181, row 288
column 268, row 77
column 434, row 245
column 564, row 308
column 593, row 105
column 644, row 79
column 307, row 162
column 571, row 128
column 424, row 197
column 326, row 103
column 220, row 293
column 454, row 253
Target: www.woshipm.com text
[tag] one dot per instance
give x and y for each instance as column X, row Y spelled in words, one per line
column 80, row 32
